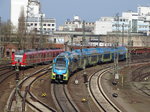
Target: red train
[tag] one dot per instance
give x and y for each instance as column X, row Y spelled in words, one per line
column 32, row 57
column 140, row 50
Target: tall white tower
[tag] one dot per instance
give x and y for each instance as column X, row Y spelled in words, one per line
column 16, row 7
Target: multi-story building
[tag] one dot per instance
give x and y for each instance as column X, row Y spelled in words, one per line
column 46, row 24
column 104, row 25
column 77, row 25
column 136, row 22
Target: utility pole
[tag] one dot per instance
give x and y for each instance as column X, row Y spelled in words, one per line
column 83, row 37
column 26, row 25
column 41, row 31
column 117, row 28
column 17, row 88
column 116, row 75
column 72, row 36
column 123, row 34
column 99, row 40
column 129, row 44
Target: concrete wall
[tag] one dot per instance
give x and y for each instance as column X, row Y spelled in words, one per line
column 140, row 41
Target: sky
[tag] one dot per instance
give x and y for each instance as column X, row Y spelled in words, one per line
column 88, row 10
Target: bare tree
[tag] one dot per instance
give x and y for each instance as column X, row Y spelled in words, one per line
column 5, row 33
column 33, row 38
column 6, row 30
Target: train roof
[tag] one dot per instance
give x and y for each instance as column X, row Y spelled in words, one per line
column 64, row 54
column 88, row 51
column 32, row 51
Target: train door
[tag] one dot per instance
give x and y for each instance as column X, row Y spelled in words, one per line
column 81, row 61
column 94, row 59
column 122, row 55
column 100, row 58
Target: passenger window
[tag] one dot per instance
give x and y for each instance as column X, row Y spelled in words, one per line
column 106, row 56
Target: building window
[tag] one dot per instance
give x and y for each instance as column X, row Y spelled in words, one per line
column 53, row 25
column 44, row 28
column 44, row 25
column 49, row 24
column 28, row 24
column 31, row 24
column 35, row 24
column 52, row 29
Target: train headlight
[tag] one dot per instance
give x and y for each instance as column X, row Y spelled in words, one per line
column 65, row 75
column 53, row 75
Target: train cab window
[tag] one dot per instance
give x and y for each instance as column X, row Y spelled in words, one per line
column 60, row 63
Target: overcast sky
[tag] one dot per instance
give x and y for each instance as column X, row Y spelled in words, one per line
column 88, row 10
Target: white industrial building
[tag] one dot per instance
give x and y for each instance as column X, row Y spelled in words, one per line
column 48, row 24
column 104, row 25
column 34, row 18
column 136, row 22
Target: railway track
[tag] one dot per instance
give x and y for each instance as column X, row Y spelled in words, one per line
column 5, row 74
column 141, row 79
column 137, row 74
column 4, row 66
column 97, row 93
column 23, row 95
column 27, row 97
column 62, row 99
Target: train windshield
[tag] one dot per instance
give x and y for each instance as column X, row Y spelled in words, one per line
column 18, row 58
column 60, row 63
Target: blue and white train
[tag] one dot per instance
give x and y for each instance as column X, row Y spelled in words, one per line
column 68, row 62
